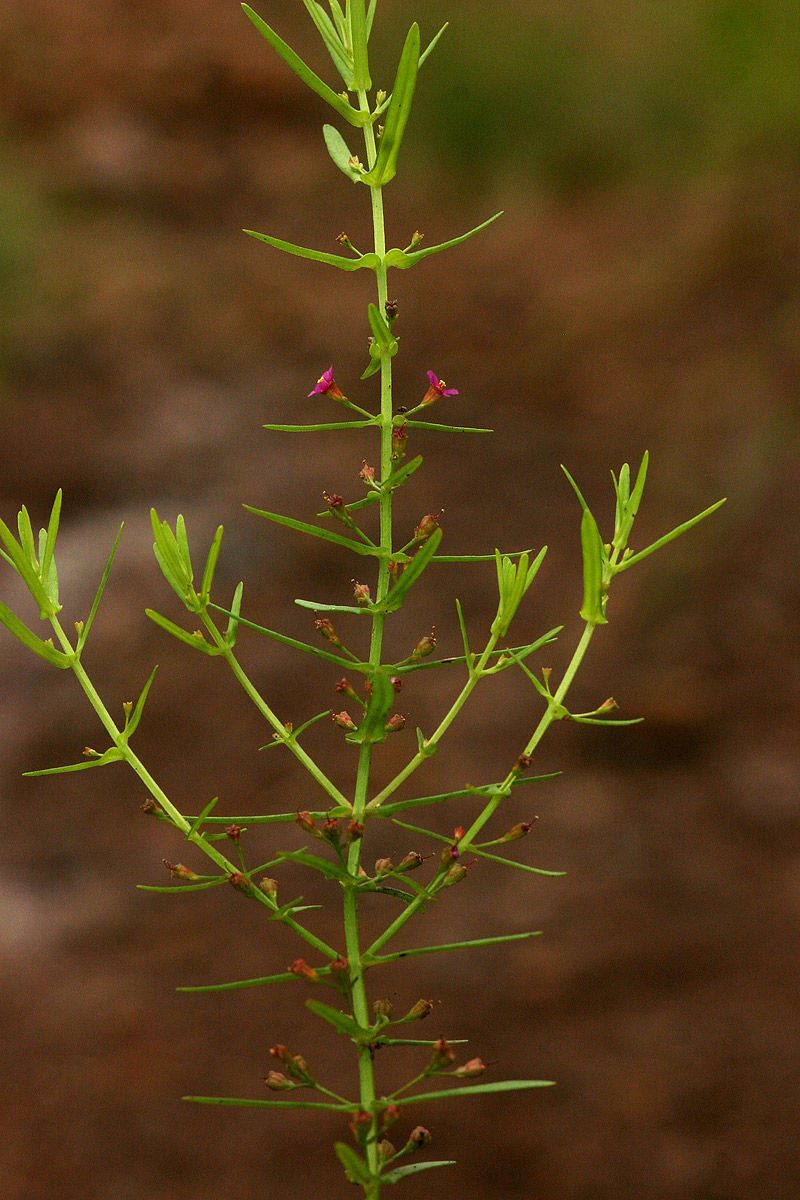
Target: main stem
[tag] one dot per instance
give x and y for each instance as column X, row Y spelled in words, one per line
column 360, row 1001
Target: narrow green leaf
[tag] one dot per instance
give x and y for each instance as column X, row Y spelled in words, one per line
column 373, row 367
column 488, row 789
column 101, row 587
column 133, row 723
column 669, row 537
column 359, row 38
column 403, row 259
column 366, row 261
column 200, row 820
column 382, row 698
column 412, row 572
column 242, row 984
column 576, row 489
column 355, row 1168
column 182, row 887
column 510, row 862
column 52, row 534
column 304, row 72
column 446, row 428
column 340, row 1021
column 399, row 111
column 321, row 427
column 340, row 153
column 234, row 619
column 414, row 1169
column 22, row 564
column 593, row 559
column 478, row 1089
column 340, row 22
column 28, row 638
column 468, row 656
column 111, row 756
column 365, row 610
column 183, row 546
column 315, row 531
column 373, row 4
column 195, row 640
column 317, row 651
column 211, row 564
column 472, row 944
column 235, row 1102
column 324, row 866
column 432, row 44
column 26, row 537
column 329, row 34
column 264, row 818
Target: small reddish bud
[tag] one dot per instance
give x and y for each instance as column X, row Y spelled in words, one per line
column 298, row 1068
column 306, row 821
column 448, row 855
column 428, row 525
column 425, row 646
column 360, row 1126
column 240, row 882
column 383, row 1008
column 179, row 871
column 522, row 763
column 339, row 967
column 324, row 627
column 280, row 1052
column 520, row 830
column 367, row 473
column 391, row 1115
column 411, row 861
column 330, row 829
column 399, row 442
column 344, row 240
column 355, row 830
column 419, row 1137
column 394, row 568
column 302, row 970
column 419, row 1011
column 609, row 705
column 361, row 592
column 397, row 683
column 276, row 1081
column 395, row 724
column 269, row 887
column 345, row 688
column 459, row 832
column 150, row 808
column 392, row 310
column 234, row 832
column 471, row 1069
column 385, row 1150
column 336, row 506
column 443, row 1054
column 344, row 721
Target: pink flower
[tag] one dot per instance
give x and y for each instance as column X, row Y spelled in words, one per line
column 326, row 386
column 436, row 389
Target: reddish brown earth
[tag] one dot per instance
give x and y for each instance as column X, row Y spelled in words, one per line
column 143, row 343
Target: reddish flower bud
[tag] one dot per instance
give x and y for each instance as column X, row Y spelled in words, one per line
column 419, row 1011
column 443, row 1055
column 522, row 763
column 428, row 525
column 397, row 683
column 367, row 473
column 360, row 1126
column 345, row 688
column 302, row 970
column 179, row 871
column 361, row 592
column 234, row 832
column 240, row 882
column 391, row 1115
column 276, row 1081
column 330, row 830
column 392, row 310
column 399, row 442
column 471, row 1069
column 306, row 821
column 344, row 721
column 447, row 856
column 425, row 646
column 324, row 626
column 459, row 832
column 339, row 968
column 355, row 830
column 395, row 724
column 520, row 830
column 419, row 1137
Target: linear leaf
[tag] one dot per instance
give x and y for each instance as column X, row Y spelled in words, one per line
column 111, row 756
column 211, row 564
column 339, row 1020
column 136, row 716
column 183, row 887
column 355, row 1168
column 234, row 619
column 28, row 638
column 411, row 574
column 241, row 984
column 340, row 153
column 471, row 944
column 323, row 865
column 52, row 534
column 478, row 1089
column 403, row 259
column 593, row 559
column 489, row 789
column 359, row 39
column 101, row 587
column 284, row 640
column 669, row 537
column 195, row 640
column 414, row 1169
column 235, row 1102
column 510, row 862
column 446, row 428
column 399, row 111
column 329, row 34
column 370, row 261
column 24, row 567
column 315, row 531
column 320, row 427
column 304, row 72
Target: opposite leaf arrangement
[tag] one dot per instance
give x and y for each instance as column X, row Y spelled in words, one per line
column 344, row 824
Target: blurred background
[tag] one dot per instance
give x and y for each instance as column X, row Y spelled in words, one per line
column 640, row 292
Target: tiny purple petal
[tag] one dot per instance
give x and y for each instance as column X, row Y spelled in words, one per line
column 450, row 392
column 433, row 379
column 323, row 384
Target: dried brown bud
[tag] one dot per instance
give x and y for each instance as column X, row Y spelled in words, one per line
column 344, row 721
column 383, row 1008
column 127, row 707
column 391, row 1115
column 330, row 830
column 367, row 473
column 425, row 646
column 179, row 871
column 339, row 967
column 150, row 808
column 454, row 875
column 522, row 763
column 361, row 592
column 276, row 1081
column 443, row 1054
column 324, row 626
column 385, row 1150
column 609, row 705
column 280, row 1052
column 428, row 525
column 303, row 971
column 397, row 683
column 240, row 882
column 269, row 887
column 419, row 1137
column 416, row 238
column 520, row 830
column 419, row 1011
column 355, row 830
column 384, row 866
column 471, row 1069
column 360, row 1126
column 410, row 861
column 392, row 309
column 234, row 832
column 395, row 724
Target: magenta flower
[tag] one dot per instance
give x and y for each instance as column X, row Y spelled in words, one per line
column 436, row 389
column 326, row 386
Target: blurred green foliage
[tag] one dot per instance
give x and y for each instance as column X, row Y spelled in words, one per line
column 583, row 95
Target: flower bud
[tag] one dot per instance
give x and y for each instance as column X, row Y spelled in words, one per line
column 360, row 1126
column 344, row 721
column 179, row 871
column 392, row 310
column 459, row 832
column 425, row 646
column 355, row 830
column 306, row 821
column 443, row 1055
column 324, row 626
column 416, row 238
column 234, row 832
column 127, row 707
column 385, row 1150
column 471, row 1069
column 609, row 705
column 276, row 1081
column 302, row 970
column 391, row 1115
column 150, row 808
column 520, row 830
column 330, row 830
column 395, row 724
column 383, row 1008
column 280, row 1052
column 411, row 861
column 241, row 883
column 384, row 866
column 419, row 1137
column 522, row 763
column 339, row 969
column 419, row 1011
column 448, row 855
column 454, row 875
column 399, row 442
column 428, row 525
column 361, row 592
column 269, row 887
column 397, row 683
column 336, row 506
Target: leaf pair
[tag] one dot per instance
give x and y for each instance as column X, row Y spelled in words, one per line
column 35, row 563
column 513, row 582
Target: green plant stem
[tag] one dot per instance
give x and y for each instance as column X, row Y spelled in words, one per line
column 165, row 804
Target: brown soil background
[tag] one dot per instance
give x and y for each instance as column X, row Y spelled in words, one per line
column 143, row 342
